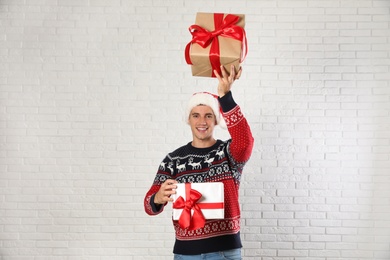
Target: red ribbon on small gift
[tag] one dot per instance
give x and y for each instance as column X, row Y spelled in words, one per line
column 197, row 220
column 225, row 27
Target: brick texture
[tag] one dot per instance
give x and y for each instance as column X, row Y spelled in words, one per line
column 91, row 94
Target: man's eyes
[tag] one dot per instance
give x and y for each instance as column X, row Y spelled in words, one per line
column 207, row 116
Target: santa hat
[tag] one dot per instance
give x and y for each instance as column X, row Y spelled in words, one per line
column 207, row 99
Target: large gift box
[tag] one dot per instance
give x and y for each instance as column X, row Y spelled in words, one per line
column 217, row 39
column 195, row 202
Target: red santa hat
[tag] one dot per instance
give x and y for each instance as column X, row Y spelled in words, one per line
column 207, row 99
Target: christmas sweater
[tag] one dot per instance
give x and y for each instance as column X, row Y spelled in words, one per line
column 222, row 162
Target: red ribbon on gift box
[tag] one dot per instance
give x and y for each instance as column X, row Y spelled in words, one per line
column 197, row 220
column 223, row 27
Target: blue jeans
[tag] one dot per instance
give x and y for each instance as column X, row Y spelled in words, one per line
column 234, row 254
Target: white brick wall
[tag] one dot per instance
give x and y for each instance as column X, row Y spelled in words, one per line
column 89, row 97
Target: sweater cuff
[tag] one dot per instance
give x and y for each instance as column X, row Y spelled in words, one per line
column 156, row 208
column 227, row 102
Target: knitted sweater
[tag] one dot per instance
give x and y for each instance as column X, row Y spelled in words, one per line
column 222, row 162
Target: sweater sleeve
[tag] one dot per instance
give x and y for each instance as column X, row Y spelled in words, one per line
column 162, row 175
column 242, row 140
column 150, row 207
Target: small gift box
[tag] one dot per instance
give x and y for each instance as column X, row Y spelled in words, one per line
column 195, row 202
column 217, row 39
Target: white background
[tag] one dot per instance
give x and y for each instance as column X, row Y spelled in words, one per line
column 92, row 96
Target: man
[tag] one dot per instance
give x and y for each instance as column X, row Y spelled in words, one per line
column 207, row 159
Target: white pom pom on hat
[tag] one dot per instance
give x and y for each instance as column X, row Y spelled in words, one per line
column 208, row 99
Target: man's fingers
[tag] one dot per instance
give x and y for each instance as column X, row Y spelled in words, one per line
column 232, row 72
column 239, row 73
column 170, row 182
column 229, row 76
column 224, row 72
column 169, row 187
column 217, row 75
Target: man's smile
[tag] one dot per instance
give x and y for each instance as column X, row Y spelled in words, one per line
column 202, row 128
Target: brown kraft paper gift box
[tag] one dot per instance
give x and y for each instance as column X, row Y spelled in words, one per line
column 230, row 49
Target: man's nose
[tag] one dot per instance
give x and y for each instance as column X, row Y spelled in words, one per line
column 203, row 120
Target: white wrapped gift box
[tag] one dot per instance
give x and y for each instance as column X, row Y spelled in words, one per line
column 211, row 203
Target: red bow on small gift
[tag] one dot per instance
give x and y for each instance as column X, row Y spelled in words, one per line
column 185, row 220
column 223, row 27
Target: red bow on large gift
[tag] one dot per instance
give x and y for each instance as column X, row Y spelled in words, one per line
column 225, row 27
column 197, row 220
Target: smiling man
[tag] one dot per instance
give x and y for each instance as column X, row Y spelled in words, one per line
column 206, row 159
column 202, row 109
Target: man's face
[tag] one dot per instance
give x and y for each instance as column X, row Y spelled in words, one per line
column 202, row 121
